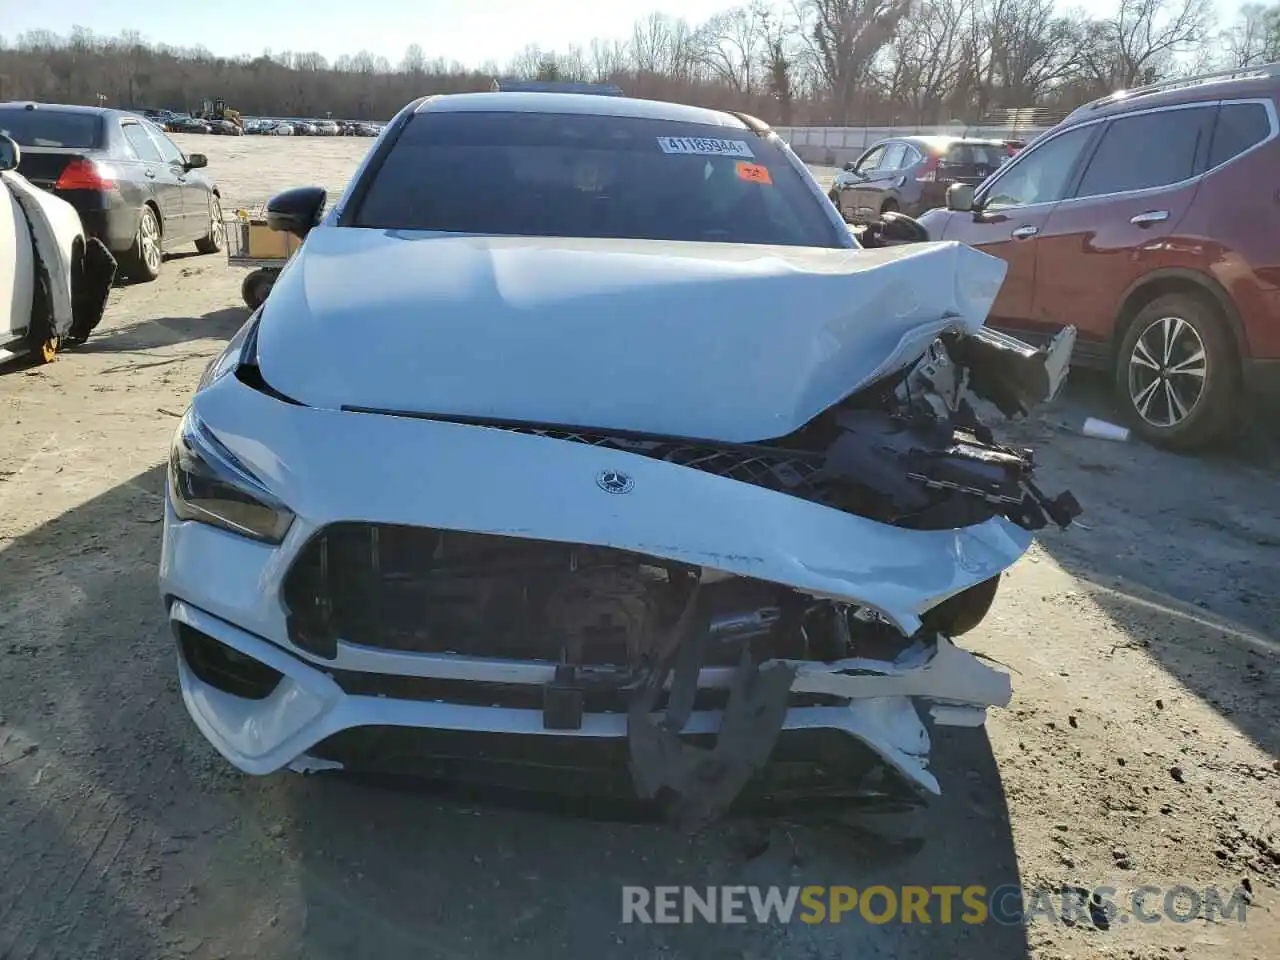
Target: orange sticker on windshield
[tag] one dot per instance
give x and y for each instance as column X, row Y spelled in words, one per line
column 754, row 173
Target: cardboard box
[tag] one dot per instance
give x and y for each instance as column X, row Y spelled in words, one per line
column 270, row 244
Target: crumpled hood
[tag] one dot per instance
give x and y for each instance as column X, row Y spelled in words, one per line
column 717, row 341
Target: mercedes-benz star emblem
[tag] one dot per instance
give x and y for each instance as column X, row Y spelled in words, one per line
column 614, row 481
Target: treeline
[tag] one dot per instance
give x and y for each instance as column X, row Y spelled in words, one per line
column 808, row 62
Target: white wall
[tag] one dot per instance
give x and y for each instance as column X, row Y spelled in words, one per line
column 836, row 145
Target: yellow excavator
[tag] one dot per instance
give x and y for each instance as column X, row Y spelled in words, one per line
column 218, row 110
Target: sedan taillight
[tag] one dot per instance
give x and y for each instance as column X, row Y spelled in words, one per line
column 929, row 172
column 85, row 175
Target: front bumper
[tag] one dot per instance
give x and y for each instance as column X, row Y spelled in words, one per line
column 308, row 706
column 389, row 470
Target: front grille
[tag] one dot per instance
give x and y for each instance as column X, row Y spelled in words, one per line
column 787, row 471
column 427, row 590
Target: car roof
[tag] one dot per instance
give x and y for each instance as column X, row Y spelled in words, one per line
column 1245, row 83
column 37, row 107
column 940, row 142
column 586, row 104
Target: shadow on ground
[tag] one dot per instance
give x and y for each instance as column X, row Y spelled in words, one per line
column 1181, row 550
column 146, row 335
column 126, row 835
column 171, row 261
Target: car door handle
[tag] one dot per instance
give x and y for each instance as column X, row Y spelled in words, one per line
column 151, row 174
column 1150, row 217
column 1022, row 233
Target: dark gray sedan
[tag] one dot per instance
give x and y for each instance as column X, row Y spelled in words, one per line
column 134, row 189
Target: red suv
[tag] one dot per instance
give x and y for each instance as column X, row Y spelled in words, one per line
column 1149, row 219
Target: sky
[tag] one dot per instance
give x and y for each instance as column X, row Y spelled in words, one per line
column 471, row 31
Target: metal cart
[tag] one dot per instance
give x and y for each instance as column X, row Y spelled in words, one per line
column 254, row 245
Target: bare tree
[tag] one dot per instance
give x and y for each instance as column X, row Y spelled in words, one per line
column 778, row 61
column 573, row 64
column 414, row 60
column 806, row 61
column 927, row 57
column 527, row 63
column 608, row 59
column 662, row 45
column 846, row 36
column 1139, row 42
column 1254, row 37
column 1032, row 47
column 729, row 45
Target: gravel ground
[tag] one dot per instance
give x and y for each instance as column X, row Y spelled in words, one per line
column 1141, row 748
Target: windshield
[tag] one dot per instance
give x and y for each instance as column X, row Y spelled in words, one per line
column 48, row 128
column 539, row 174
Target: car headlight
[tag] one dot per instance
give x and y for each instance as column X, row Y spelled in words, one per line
column 230, row 356
column 208, row 484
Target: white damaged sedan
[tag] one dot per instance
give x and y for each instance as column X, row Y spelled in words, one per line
column 54, row 281
column 582, row 446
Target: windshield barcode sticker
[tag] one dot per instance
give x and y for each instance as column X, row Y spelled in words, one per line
column 702, row 147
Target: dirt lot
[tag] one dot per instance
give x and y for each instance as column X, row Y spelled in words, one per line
column 1142, row 748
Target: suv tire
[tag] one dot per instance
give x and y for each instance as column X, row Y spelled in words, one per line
column 1177, row 375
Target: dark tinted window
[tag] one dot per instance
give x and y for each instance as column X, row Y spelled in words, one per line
column 1148, row 150
column 50, row 128
column 537, row 174
column 1040, row 175
column 975, row 154
column 1239, row 127
column 141, row 142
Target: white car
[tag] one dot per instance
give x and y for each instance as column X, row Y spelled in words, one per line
column 619, row 440
column 53, row 281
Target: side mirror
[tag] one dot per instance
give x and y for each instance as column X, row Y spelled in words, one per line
column 848, row 167
column 896, row 228
column 296, row 211
column 960, row 197
column 196, row 160
column 10, row 155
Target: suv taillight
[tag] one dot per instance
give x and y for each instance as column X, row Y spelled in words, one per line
column 929, row 172
column 85, row 175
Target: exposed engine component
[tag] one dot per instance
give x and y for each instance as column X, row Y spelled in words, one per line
column 442, row 591
column 909, row 450
column 610, row 613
